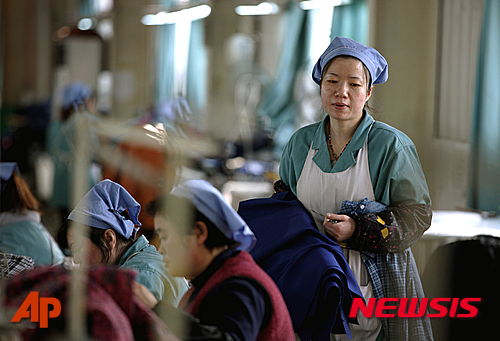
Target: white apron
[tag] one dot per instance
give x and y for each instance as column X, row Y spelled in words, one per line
column 324, row 193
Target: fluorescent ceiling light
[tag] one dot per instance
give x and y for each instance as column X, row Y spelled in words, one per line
column 317, row 4
column 188, row 14
column 264, row 8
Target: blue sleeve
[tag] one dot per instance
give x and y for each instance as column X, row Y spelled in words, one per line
column 239, row 306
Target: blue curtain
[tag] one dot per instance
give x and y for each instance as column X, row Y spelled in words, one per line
column 484, row 193
column 278, row 102
column 351, row 21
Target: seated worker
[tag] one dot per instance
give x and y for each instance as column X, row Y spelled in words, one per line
column 109, row 216
column 21, row 230
column 230, row 293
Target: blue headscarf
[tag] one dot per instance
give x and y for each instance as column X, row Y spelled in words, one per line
column 102, row 208
column 371, row 58
column 209, row 201
column 6, row 171
column 75, row 95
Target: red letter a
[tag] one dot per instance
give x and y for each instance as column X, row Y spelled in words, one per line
column 22, row 312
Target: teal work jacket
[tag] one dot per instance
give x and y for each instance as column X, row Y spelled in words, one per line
column 151, row 272
column 395, row 169
column 29, row 238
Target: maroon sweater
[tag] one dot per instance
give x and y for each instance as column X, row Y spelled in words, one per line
column 242, row 265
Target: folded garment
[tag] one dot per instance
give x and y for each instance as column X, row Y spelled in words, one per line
column 309, row 268
column 11, row 265
column 361, row 207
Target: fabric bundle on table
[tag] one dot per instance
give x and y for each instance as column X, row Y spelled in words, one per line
column 309, row 268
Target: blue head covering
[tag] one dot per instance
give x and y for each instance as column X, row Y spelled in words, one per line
column 209, row 201
column 102, row 208
column 6, row 171
column 371, row 58
column 75, row 94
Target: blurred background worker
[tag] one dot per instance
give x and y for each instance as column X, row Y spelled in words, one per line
column 77, row 111
column 21, row 230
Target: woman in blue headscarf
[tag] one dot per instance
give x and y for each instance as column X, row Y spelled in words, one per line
column 349, row 157
column 109, row 215
column 231, row 297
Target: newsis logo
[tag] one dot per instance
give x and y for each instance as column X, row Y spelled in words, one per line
column 39, row 309
column 414, row 307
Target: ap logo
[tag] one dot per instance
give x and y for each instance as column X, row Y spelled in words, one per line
column 39, row 309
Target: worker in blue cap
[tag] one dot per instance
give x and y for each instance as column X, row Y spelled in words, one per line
column 64, row 140
column 348, row 156
column 109, row 215
column 22, row 232
column 229, row 292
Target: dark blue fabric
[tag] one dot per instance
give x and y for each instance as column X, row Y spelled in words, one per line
column 310, row 270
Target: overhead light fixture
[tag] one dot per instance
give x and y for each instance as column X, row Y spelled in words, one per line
column 184, row 15
column 264, row 8
column 86, row 24
column 318, row 4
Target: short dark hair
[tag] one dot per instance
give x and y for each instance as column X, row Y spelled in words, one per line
column 215, row 236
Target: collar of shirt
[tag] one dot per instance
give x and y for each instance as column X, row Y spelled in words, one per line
column 140, row 244
column 201, row 279
column 322, row 157
column 10, row 217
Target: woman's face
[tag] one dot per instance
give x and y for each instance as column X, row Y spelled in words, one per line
column 85, row 251
column 344, row 89
column 177, row 249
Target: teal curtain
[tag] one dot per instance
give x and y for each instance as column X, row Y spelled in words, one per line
column 86, row 8
column 165, row 52
column 351, row 21
column 197, row 63
column 197, row 82
column 484, row 193
column 277, row 102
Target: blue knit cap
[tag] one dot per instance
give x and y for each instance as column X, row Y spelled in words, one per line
column 371, row 58
column 102, row 208
column 209, row 201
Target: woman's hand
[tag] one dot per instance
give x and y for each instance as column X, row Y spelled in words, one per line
column 144, row 295
column 338, row 226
